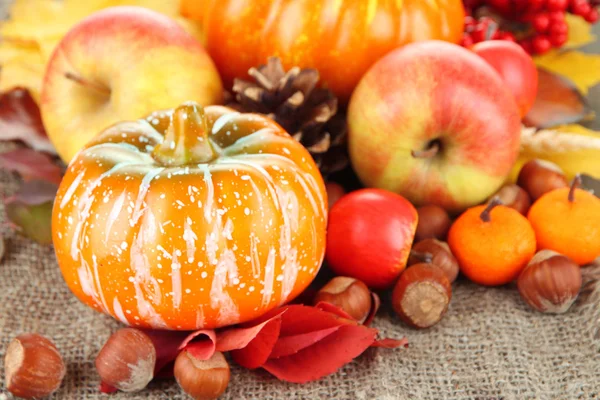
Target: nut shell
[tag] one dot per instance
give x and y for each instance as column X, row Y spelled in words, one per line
column 422, row 295
column 202, row 379
column 33, row 367
column 127, row 360
column 441, row 257
column 515, row 197
column 539, row 177
column 434, row 223
column 349, row 294
column 550, row 283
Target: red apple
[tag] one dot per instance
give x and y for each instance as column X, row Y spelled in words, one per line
column 120, row 64
column 369, row 236
column 434, row 122
column 516, row 68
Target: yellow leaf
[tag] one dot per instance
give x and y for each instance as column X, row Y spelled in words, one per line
column 582, row 69
column 574, row 148
column 580, row 32
column 22, row 66
column 578, row 129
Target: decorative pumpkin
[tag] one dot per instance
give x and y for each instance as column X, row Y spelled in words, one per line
column 341, row 39
column 192, row 218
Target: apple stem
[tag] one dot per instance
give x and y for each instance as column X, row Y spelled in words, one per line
column 422, row 256
column 90, row 84
column 186, row 139
column 574, row 185
column 485, row 214
column 430, row 152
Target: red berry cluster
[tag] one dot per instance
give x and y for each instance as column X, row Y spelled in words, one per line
column 542, row 24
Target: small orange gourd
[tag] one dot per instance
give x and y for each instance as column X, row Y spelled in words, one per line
column 492, row 243
column 192, row 218
column 567, row 221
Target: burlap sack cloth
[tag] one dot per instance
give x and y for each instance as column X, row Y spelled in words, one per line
column 490, row 345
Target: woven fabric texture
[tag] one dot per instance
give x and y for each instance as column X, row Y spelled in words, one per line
column 490, row 345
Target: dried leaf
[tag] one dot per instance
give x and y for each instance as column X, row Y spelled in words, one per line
column 331, row 308
column 250, row 347
column 202, row 344
column 167, row 345
column 23, row 65
column 583, row 69
column 580, row 32
column 30, row 210
column 558, row 102
column 325, row 356
column 31, row 165
column 289, row 345
column 20, row 119
column 574, row 148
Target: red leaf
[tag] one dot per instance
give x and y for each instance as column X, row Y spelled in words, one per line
column 202, row 344
column 106, row 388
column 557, row 102
column 289, row 345
column 299, row 319
column 332, row 308
column 167, row 345
column 251, row 347
column 389, row 343
column 375, row 304
column 324, row 357
column 31, row 164
column 20, row 119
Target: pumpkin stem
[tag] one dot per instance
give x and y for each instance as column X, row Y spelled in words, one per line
column 574, row 185
column 422, row 256
column 186, row 139
column 485, row 214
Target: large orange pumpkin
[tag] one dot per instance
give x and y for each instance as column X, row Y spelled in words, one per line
column 340, row 38
column 193, row 218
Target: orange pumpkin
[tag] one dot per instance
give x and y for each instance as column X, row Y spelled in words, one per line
column 341, row 39
column 192, row 218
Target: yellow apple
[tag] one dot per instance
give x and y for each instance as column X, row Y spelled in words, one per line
column 119, row 64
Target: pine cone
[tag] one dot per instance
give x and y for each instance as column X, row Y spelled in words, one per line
column 292, row 99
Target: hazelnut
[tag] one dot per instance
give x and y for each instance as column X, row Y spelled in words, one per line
column 538, row 177
column 334, row 192
column 434, row 222
column 33, row 367
column 437, row 253
column 515, row 197
column 421, row 295
column 550, row 283
column 349, row 294
column 202, row 379
column 127, row 360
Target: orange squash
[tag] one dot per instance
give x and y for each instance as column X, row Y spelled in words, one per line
column 192, row 218
column 341, row 39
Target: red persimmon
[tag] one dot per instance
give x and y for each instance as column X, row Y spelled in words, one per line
column 369, row 236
